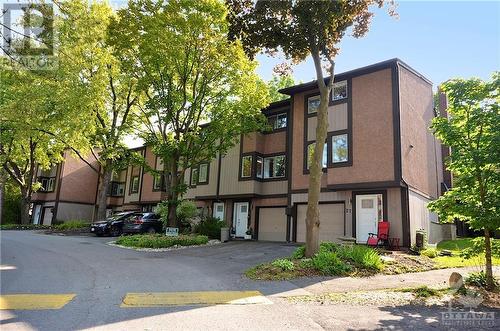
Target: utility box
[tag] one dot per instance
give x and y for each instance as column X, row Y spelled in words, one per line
column 420, row 239
column 224, row 234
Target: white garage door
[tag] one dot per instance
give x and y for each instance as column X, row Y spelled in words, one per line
column 331, row 218
column 272, row 224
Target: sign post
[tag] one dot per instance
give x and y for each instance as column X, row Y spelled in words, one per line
column 172, row 232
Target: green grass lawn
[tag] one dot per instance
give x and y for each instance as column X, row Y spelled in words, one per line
column 455, row 246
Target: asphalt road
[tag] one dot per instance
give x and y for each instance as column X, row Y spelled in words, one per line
column 101, row 275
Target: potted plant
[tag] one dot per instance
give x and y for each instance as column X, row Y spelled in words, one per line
column 248, row 234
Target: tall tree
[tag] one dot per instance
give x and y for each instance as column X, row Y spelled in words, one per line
column 201, row 90
column 26, row 105
column 472, row 131
column 302, row 28
column 277, row 83
column 97, row 85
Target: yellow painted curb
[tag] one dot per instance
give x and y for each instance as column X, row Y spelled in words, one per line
column 193, row 298
column 34, row 301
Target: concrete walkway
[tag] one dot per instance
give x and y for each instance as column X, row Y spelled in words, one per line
column 433, row 278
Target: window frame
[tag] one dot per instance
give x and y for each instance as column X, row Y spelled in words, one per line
column 316, row 96
column 242, row 164
column 274, row 166
column 325, row 161
column 49, row 188
column 193, row 181
column 205, row 182
column 114, row 184
column 332, row 147
column 335, row 85
column 272, row 120
column 132, row 190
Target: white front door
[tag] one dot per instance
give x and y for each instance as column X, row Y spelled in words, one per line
column 36, row 214
column 366, row 216
column 240, row 218
column 218, row 211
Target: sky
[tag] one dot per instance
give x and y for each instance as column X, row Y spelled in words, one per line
column 439, row 39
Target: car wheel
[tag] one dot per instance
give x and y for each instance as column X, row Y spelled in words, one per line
column 151, row 230
column 115, row 231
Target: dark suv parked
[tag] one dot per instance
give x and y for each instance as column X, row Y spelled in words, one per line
column 111, row 226
column 143, row 223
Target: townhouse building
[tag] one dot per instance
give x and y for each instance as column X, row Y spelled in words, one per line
column 380, row 162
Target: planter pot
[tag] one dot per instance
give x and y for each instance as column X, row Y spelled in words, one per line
column 248, row 237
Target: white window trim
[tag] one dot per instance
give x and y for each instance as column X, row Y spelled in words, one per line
column 206, row 173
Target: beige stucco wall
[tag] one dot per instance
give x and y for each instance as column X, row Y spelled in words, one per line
column 420, row 152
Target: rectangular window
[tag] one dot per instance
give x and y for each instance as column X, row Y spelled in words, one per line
column 47, row 183
column 194, row 176
column 117, row 189
column 313, row 104
column 340, row 149
column 259, row 167
column 203, row 173
column 277, row 121
column 274, row 166
column 157, row 182
column 339, row 90
column 310, row 151
column 134, row 184
column 246, row 166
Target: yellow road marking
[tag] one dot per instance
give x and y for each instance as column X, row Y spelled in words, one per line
column 34, row 301
column 193, row 298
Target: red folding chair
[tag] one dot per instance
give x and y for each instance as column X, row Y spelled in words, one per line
column 382, row 235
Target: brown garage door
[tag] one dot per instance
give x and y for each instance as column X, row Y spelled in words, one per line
column 331, row 222
column 272, row 224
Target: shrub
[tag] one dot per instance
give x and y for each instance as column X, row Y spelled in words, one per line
column 72, row 225
column 478, row 279
column 160, row 241
column 23, row 227
column 328, row 247
column 283, row 264
column 185, row 211
column 477, row 247
column 306, row 263
column 299, row 253
column 210, row 227
column 423, row 292
column 362, row 256
column 429, row 252
column 329, row 263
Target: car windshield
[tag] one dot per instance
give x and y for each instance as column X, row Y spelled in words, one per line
column 115, row 217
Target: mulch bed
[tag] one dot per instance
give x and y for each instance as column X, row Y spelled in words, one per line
column 404, row 263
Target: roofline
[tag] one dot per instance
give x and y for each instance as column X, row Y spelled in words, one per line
column 355, row 72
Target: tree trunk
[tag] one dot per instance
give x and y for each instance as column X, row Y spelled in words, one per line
column 102, row 198
column 490, row 285
column 316, row 166
column 172, row 193
column 25, row 206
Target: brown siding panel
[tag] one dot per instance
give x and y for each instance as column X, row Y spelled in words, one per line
column 419, row 149
column 373, row 144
